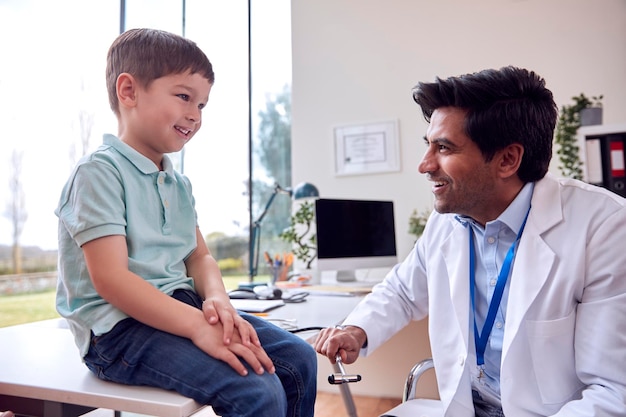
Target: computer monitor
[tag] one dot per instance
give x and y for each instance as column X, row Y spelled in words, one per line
column 354, row 234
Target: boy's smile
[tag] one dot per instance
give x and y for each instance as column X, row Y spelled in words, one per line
column 163, row 116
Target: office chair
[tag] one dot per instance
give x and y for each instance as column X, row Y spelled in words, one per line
column 412, row 406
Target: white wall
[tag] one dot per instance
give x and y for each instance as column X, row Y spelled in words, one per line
column 356, row 61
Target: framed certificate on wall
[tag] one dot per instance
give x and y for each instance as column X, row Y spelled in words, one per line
column 367, row 148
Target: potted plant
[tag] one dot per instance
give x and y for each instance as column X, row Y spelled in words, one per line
column 592, row 114
column 417, row 222
column 566, row 130
column 299, row 234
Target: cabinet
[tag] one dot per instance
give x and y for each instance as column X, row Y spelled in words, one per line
column 603, row 157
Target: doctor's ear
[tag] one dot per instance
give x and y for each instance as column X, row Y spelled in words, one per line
column 509, row 159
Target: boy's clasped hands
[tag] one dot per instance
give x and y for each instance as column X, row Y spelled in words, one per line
column 238, row 337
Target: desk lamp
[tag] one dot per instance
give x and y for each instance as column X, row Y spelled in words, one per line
column 302, row 190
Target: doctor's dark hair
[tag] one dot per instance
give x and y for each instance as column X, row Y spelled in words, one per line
column 148, row 54
column 505, row 106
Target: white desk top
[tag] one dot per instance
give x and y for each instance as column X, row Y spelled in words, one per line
column 317, row 310
column 55, row 371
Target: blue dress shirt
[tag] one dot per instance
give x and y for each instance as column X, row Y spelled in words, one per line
column 491, row 245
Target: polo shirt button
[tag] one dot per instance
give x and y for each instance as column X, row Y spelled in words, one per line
column 166, row 204
column 491, row 239
column 461, row 360
column 161, row 180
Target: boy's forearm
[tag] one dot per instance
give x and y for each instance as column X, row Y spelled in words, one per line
column 143, row 302
column 203, row 268
column 107, row 261
column 207, row 277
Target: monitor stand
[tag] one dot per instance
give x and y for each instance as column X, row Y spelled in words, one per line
column 346, row 276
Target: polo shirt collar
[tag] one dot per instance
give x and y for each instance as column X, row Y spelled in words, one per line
column 142, row 163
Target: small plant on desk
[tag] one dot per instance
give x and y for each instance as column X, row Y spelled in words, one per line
column 300, row 235
column 417, row 222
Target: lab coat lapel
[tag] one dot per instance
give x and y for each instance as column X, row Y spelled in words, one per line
column 455, row 251
column 534, row 258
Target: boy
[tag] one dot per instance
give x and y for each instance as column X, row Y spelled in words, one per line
column 142, row 294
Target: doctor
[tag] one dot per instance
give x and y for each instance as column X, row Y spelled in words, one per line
column 522, row 275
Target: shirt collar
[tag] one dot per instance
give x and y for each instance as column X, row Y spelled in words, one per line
column 513, row 216
column 515, row 213
column 141, row 162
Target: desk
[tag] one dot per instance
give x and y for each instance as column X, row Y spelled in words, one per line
column 317, row 310
column 40, row 367
column 40, row 370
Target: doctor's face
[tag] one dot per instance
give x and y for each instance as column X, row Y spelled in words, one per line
column 463, row 183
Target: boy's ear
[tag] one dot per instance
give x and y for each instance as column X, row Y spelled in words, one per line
column 126, row 87
column 510, row 159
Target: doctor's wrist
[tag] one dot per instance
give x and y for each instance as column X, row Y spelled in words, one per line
column 356, row 332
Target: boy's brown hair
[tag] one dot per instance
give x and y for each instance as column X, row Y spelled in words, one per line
column 148, row 54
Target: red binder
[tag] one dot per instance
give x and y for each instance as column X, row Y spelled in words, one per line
column 617, row 158
column 616, row 180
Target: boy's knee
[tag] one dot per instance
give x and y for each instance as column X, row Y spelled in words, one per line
column 309, row 356
column 255, row 395
column 305, row 355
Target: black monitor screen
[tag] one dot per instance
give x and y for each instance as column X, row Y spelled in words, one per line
column 354, row 228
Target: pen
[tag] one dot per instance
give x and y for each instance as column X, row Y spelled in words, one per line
column 276, row 269
column 260, row 314
column 284, row 270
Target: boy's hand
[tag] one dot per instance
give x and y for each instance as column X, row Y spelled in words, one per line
column 219, row 309
column 209, row 339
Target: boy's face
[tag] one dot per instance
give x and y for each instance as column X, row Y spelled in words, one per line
column 165, row 115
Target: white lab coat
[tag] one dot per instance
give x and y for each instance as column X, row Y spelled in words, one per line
column 564, row 351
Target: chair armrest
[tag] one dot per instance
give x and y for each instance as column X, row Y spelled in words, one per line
column 411, row 380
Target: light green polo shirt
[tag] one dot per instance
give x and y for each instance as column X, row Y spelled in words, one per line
column 118, row 191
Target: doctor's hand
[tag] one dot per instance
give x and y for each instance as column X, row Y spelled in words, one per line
column 346, row 342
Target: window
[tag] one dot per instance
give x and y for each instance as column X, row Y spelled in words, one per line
column 270, row 43
column 54, row 109
column 53, row 104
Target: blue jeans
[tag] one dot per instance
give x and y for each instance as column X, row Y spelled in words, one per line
column 136, row 354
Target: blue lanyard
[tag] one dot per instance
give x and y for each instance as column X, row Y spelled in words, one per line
column 481, row 339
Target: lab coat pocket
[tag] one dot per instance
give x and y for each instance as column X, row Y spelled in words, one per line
column 552, row 350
